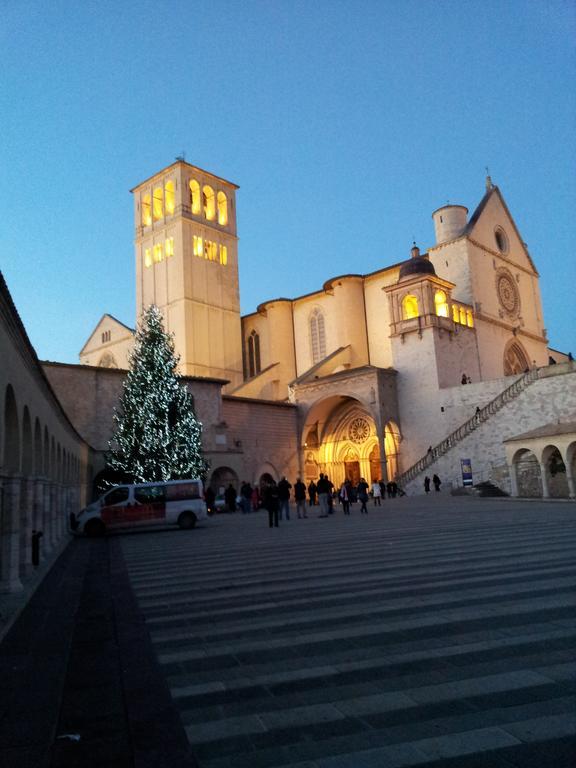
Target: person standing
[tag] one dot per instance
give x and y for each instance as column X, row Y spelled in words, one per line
column 246, row 497
column 382, row 489
column 363, row 495
column 330, row 495
column 376, row 493
column 230, row 498
column 284, row 497
column 437, row 483
column 312, row 491
column 271, row 503
column 300, row 498
column 323, row 488
column 427, row 484
column 255, row 500
column 210, row 498
column 345, row 497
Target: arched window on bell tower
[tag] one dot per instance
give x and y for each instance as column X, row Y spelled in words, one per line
column 317, row 336
column 195, row 203
column 441, row 303
column 410, row 307
column 254, row 366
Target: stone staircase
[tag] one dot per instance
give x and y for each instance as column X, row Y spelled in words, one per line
column 455, row 437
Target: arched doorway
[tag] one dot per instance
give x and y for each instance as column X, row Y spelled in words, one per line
column 555, row 468
column 340, row 439
column 515, row 359
column 528, row 477
column 221, row 478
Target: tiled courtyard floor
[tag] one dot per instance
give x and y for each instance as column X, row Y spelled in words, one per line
column 438, row 632
column 434, row 631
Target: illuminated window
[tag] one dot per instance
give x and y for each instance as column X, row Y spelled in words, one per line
column 169, row 247
column 317, row 336
column 462, row 315
column 209, row 202
column 147, row 257
column 254, row 354
column 469, row 319
column 157, row 204
column 146, row 211
column 195, row 196
column 169, row 197
column 198, row 246
column 223, row 255
column 157, row 253
column 210, row 250
column 222, row 209
column 441, row 304
column 410, row 307
column 455, row 313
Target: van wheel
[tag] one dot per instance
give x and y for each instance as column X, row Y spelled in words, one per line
column 94, row 528
column 187, row 520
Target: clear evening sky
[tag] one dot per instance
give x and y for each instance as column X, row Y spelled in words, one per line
column 344, row 123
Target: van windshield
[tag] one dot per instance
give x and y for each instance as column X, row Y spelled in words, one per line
column 115, row 496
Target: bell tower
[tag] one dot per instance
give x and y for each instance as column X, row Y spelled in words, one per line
column 187, row 264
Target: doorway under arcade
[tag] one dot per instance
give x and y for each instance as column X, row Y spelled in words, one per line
column 341, row 439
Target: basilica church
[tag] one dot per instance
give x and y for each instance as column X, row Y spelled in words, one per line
column 378, row 368
column 437, row 363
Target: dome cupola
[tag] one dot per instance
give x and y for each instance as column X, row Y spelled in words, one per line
column 416, row 265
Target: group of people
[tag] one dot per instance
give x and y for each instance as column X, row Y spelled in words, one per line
column 276, row 497
column 435, row 480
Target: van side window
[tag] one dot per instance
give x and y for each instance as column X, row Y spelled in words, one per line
column 116, row 496
column 183, row 491
column 150, row 495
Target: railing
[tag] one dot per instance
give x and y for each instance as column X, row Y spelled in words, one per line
column 469, row 426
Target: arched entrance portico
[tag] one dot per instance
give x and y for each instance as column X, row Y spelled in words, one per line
column 341, row 438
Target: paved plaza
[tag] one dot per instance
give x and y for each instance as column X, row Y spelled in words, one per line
column 434, row 631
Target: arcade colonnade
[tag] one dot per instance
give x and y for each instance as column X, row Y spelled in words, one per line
column 542, row 462
column 44, row 463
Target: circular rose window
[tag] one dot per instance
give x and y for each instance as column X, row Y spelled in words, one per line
column 508, row 295
column 359, row 430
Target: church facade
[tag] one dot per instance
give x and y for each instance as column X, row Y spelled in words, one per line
column 380, row 367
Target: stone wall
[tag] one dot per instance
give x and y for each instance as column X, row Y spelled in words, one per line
column 549, row 399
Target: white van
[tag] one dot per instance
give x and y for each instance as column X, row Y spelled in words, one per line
column 172, row 502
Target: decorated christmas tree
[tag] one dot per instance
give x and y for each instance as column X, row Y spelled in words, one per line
column 158, row 436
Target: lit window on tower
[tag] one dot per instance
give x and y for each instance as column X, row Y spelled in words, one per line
column 169, row 198
column 194, row 196
column 169, row 247
column 222, row 209
column 146, row 210
column 410, row 307
column 157, row 204
column 469, row 318
column 441, row 304
column 462, row 316
column 198, row 246
column 210, row 250
column 147, row 257
column 157, row 253
column 209, row 202
column 455, row 313
column 223, row 255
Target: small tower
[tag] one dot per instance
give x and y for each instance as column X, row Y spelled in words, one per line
column 432, row 336
column 187, row 264
column 449, row 222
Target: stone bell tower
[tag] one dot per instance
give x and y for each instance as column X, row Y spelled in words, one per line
column 187, row 263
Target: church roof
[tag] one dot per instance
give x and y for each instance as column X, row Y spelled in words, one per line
column 548, row 430
column 416, row 265
column 494, row 190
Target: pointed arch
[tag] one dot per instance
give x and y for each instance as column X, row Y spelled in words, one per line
column 515, row 359
column 317, row 336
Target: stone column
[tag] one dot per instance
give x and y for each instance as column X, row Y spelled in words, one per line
column 53, row 514
column 513, row 479
column 26, row 523
column 10, row 534
column 38, row 517
column 545, row 489
column 46, row 517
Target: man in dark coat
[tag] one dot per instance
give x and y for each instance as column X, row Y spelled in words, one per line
column 300, row 498
column 271, row 503
column 230, row 498
column 312, row 491
column 284, row 496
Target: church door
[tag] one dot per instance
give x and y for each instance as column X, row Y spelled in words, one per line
column 352, row 471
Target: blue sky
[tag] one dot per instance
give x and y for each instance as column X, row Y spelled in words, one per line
column 345, row 125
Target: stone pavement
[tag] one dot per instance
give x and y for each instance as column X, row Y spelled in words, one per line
column 435, row 631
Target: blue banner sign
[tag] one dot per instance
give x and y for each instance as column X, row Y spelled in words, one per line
column 466, row 465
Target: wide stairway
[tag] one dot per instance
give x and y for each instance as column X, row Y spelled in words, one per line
column 432, row 631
